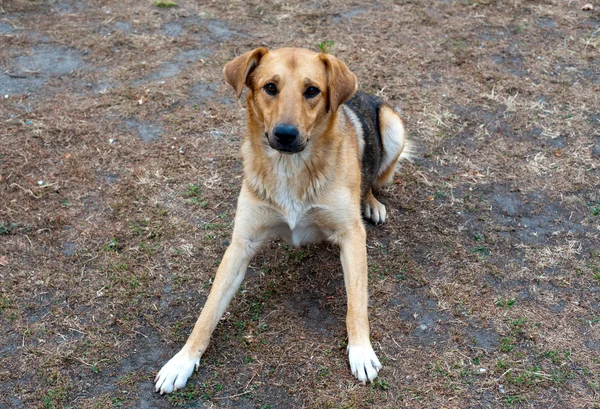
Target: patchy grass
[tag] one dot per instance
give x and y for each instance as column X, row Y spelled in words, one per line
column 326, row 46
column 165, row 3
column 484, row 283
column 194, row 196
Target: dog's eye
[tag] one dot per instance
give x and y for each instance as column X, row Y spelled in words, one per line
column 311, row 92
column 271, row 88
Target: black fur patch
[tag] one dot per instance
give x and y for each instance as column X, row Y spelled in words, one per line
column 366, row 107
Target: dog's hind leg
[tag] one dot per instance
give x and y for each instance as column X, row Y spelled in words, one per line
column 394, row 144
column 373, row 209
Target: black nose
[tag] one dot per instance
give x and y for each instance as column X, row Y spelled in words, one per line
column 286, row 133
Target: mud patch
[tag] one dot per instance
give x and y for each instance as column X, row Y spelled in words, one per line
column 172, row 29
column 147, row 358
column 5, row 28
column 347, row 15
column 220, row 32
column 123, row 26
column 483, row 338
column 596, row 147
column 423, row 312
column 205, row 92
column 68, row 249
column 172, row 68
column 70, row 7
column 148, row 399
column 50, row 60
column 29, row 72
column 144, row 130
column 207, row 30
column 546, row 23
column 532, row 218
column 592, row 345
column 513, row 64
column 110, row 178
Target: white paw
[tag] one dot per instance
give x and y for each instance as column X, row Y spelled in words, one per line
column 375, row 211
column 175, row 373
column 364, row 364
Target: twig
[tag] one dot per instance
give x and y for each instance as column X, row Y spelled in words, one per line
column 507, row 371
column 137, row 332
column 248, row 384
column 10, row 74
column 544, row 375
column 24, row 190
column 396, row 343
column 233, row 396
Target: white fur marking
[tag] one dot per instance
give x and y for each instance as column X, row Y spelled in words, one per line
column 300, row 229
column 364, row 364
column 359, row 130
column 393, row 139
column 375, row 211
column 175, row 373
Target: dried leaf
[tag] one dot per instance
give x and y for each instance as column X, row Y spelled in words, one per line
column 3, row 261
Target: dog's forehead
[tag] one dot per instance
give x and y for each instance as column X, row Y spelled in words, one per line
column 297, row 62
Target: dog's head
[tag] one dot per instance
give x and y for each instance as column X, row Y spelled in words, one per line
column 293, row 92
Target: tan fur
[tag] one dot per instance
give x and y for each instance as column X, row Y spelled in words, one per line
column 389, row 119
column 308, row 196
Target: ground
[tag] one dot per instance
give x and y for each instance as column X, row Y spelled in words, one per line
column 120, row 168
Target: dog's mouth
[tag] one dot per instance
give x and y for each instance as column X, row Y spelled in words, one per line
column 286, row 147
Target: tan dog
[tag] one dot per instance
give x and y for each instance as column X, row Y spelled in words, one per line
column 314, row 150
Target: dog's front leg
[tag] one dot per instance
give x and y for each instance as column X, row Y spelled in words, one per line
column 364, row 364
column 231, row 272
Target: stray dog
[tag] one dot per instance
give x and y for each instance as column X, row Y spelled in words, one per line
column 315, row 149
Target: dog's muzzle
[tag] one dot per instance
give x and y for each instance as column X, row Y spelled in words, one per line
column 286, row 139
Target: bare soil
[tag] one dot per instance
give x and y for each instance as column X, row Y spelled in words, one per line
column 120, row 168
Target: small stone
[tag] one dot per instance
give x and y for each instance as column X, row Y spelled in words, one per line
column 587, row 7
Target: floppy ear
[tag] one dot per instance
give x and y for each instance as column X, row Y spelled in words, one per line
column 236, row 71
column 341, row 82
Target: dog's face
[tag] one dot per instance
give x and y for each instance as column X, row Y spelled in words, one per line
column 293, row 92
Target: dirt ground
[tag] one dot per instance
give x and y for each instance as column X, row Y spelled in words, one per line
column 120, row 168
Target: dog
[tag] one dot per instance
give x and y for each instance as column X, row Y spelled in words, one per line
column 315, row 150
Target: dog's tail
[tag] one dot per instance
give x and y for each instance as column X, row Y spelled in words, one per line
column 410, row 151
column 396, row 146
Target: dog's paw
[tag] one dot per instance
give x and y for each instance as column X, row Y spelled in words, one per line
column 364, row 364
column 175, row 373
column 374, row 210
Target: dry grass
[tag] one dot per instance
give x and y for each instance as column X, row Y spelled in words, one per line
column 484, row 285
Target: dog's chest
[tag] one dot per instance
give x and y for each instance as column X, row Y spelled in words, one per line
column 299, row 219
